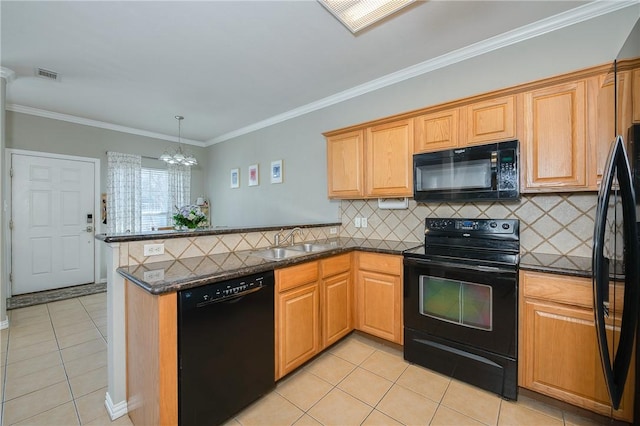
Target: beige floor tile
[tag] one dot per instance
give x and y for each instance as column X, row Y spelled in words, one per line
column 386, row 365
column 376, row 418
column 366, row 386
column 425, row 382
column 340, row 408
column 571, row 419
column 231, row 422
column 64, row 414
column 513, row 414
column 88, row 382
column 105, row 420
column 35, row 403
column 270, row 410
column 91, row 406
column 29, row 327
column 407, row 407
column 19, row 386
column 30, row 312
column 446, row 417
column 307, row 420
column 330, row 368
column 85, row 364
column 352, row 350
column 303, row 389
column 74, row 328
column 83, row 349
column 70, row 319
column 18, row 342
column 28, row 366
column 77, row 338
column 539, row 406
column 472, row 402
column 63, row 305
column 31, row 351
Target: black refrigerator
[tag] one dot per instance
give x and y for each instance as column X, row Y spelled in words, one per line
column 616, row 272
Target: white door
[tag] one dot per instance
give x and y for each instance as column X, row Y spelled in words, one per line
column 52, row 245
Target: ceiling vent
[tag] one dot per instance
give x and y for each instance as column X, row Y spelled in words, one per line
column 48, row 74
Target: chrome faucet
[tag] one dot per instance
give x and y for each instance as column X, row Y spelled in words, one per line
column 277, row 240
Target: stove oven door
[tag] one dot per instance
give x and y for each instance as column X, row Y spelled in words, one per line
column 471, row 305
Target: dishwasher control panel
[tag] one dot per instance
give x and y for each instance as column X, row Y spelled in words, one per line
column 211, row 293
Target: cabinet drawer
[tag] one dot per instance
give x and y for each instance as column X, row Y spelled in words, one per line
column 386, row 263
column 295, row 276
column 335, row 265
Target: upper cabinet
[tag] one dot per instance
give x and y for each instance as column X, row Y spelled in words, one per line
column 636, row 95
column 438, row 130
column 371, row 163
column 555, row 140
column 490, row 120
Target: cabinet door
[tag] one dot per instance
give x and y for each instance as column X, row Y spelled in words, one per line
column 345, row 165
column 635, row 85
column 379, row 305
column 555, row 138
column 561, row 358
column 437, row 131
column 298, row 328
column 389, row 151
column 490, row 120
column 336, row 308
column 602, row 118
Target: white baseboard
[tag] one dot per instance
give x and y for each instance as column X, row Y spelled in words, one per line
column 103, row 280
column 115, row 410
column 4, row 324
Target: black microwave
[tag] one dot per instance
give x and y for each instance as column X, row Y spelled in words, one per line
column 477, row 173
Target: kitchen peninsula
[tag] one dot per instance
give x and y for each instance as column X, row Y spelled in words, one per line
column 197, row 258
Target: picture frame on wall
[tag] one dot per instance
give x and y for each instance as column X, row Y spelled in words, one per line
column 276, row 171
column 235, row 178
column 254, row 179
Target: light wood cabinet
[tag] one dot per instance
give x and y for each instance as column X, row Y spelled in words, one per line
column 345, row 165
column 297, row 316
column 437, row 131
column 489, row 121
column 555, row 138
column 635, row 95
column 336, row 298
column 558, row 349
column 379, row 295
column 371, row 163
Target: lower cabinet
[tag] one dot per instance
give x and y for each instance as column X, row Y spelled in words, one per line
column 559, row 354
column 313, row 309
column 379, row 295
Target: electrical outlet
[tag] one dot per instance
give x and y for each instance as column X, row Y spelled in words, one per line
column 155, row 275
column 363, row 222
column 333, row 231
column 357, row 222
column 153, row 249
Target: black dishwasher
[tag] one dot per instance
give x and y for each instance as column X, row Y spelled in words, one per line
column 225, row 348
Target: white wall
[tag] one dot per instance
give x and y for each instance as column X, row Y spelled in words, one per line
column 303, row 196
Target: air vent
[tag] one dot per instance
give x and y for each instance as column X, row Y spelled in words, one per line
column 51, row 75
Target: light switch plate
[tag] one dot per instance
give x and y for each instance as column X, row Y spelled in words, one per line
column 357, row 222
column 363, row 222
column 153, row 249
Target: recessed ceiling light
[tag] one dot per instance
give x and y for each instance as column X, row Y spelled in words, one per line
column 359, row 14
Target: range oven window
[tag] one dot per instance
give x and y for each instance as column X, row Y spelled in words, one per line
column 458, row 302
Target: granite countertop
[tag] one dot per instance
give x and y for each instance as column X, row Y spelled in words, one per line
column 214, row 230
column 556, row 264
column 175, row 275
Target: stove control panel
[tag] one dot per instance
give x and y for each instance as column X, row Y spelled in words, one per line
column 472, row 226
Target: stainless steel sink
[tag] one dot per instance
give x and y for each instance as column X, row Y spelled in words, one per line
column 313, row 247
column 277, row 253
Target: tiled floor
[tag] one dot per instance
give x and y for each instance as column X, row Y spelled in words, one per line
column 53, row 372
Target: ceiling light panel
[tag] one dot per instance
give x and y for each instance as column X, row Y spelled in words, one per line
column 359, row 14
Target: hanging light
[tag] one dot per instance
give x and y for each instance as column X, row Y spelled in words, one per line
column 179, row 156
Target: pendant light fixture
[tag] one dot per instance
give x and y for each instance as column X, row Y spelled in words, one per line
column 179, row 156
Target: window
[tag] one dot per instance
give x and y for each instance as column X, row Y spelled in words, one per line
column 156, row 209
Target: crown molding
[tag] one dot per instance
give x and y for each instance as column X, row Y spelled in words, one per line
column 574, row 16
column 7, row 74
column 100, row 124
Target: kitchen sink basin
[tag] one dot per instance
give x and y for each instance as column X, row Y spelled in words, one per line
column 277, row 253
column 312, row 247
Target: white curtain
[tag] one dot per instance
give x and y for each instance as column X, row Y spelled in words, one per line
column 124, row 208
column 179, row 188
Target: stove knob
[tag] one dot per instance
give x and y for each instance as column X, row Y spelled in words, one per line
column 505, row 226
column 493, row 224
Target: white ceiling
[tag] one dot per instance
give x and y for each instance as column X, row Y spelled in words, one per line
column 232, row 66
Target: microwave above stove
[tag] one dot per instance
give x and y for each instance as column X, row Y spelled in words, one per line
column 477, row 173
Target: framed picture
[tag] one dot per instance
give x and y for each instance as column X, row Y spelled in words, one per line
column 276, row 171
column 235, row 178
column 253, row 175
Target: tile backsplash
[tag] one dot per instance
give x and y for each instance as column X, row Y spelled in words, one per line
column 549, row 223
